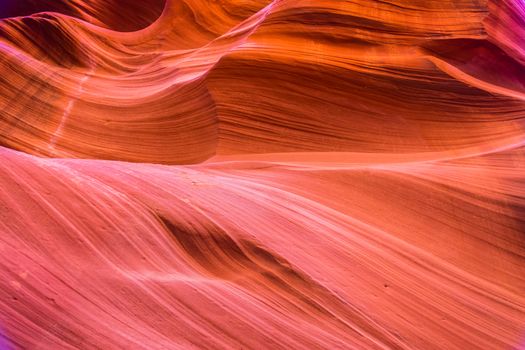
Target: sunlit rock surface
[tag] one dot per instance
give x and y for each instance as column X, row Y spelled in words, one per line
column 256, row 174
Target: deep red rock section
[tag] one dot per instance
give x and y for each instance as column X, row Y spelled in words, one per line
column 256, row 174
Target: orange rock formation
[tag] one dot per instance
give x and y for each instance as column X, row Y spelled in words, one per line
column 257, row 174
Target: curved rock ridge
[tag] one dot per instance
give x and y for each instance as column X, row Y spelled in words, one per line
column 258, row 174
column 131, row 15
column 226, row 77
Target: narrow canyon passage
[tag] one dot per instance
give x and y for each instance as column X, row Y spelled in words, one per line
column 258, row 174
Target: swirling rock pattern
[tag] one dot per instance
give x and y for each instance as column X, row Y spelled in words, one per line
column 257, row 174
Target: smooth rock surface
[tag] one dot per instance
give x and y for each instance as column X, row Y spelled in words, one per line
column 257, row 174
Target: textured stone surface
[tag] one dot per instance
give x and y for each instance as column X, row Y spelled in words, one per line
column 256, row 174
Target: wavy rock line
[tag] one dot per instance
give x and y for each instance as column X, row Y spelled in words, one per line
column 256, row 174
